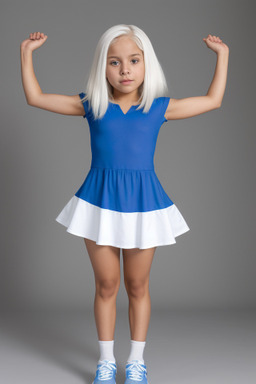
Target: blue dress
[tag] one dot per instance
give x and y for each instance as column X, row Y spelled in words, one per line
column 121, row 201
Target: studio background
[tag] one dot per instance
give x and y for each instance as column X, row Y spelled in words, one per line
column 206, row 164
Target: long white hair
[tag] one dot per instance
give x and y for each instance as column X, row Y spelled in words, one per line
column 98, row 91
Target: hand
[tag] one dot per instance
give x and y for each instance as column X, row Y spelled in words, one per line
column 216, row 44
column 35, row 41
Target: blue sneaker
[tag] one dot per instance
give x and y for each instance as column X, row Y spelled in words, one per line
column 106, row 373
column 136, row 373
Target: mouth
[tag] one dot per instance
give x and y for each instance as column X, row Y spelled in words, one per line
column 126, row 81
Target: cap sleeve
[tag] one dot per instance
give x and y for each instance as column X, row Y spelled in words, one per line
column 85, row 103
column 164, row 104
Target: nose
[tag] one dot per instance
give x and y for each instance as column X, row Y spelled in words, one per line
column 125, row 70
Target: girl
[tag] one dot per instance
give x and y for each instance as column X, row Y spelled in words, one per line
column 121, row 203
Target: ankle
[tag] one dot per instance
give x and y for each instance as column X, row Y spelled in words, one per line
column 107, row 350
column 136, row 351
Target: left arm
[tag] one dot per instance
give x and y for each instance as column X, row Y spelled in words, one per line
column 192, row 106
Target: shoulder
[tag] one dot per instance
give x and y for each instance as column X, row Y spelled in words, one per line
column 84, row 99
column 162, row 101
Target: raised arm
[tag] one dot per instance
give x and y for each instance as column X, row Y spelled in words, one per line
column 192, row 106
column 63, row 104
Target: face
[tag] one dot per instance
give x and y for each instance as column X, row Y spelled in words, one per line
column 125, row 61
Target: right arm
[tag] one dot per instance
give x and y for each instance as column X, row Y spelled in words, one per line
column 63, row 104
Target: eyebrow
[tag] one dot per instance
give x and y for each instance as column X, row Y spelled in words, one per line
column 116, row 57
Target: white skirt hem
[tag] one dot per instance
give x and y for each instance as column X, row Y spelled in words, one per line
column 122, row 229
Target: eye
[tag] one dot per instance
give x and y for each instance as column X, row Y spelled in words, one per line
column 135, row 60
column 113, row 62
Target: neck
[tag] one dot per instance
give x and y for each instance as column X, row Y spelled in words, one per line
column 126, row 99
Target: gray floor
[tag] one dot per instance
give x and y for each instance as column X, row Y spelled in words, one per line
column 182, row 347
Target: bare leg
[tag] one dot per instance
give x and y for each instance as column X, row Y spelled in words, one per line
column 106, row 266
column 137, row 263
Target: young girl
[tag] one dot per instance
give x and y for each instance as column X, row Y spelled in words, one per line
column 121, row 203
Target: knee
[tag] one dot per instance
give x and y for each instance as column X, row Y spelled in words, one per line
column 136, row 288
column 107, row 288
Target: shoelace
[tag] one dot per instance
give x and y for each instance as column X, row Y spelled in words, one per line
column 135, row 371
column 106, row 370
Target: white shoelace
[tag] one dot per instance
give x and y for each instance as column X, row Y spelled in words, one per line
column 106, row 370
column 135, row 371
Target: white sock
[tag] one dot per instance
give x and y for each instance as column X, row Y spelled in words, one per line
column 107, row 350
column 136, row 352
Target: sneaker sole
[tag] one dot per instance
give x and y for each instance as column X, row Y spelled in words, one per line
column 93, row 382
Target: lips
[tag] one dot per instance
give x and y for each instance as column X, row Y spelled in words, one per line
column 126, row 81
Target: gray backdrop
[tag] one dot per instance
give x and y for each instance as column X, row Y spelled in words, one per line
column 205, row 163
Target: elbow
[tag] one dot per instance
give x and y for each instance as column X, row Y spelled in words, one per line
column 217, row 105
column 30, row 102
column 33, row 101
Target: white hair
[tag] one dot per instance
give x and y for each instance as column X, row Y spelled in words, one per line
column 99, row 91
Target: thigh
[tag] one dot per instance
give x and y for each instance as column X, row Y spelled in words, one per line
column 137, row 263
column 105, row 260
